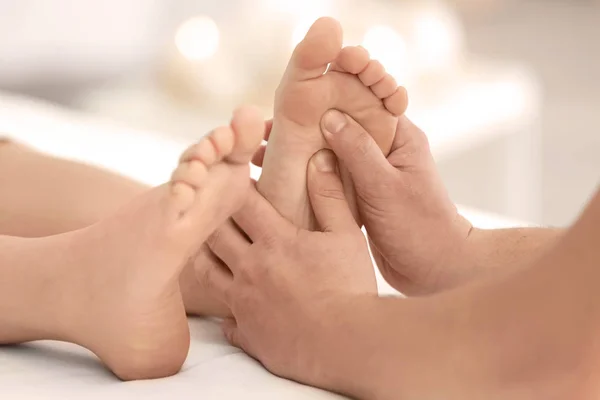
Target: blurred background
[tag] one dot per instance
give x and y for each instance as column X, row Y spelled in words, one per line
column 508, row 91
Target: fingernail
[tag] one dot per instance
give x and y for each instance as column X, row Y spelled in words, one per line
column 324, row 161
column 334, row 121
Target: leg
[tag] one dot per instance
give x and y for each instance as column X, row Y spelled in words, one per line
column 27, row 176
column 113, row 287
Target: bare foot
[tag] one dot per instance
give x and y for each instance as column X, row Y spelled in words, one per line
column 130, row 310
column 353, row 84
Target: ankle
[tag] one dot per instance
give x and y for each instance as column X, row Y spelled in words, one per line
column 66, row 305
column 38, row 297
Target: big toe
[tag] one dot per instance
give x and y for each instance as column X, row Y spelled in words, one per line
column 248, row 128
column 320, row 46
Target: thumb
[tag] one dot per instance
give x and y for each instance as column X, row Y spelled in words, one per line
column 326, row 193
column 355, row 147
column 232, row 334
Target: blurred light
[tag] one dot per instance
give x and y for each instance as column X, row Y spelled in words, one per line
column 300, row 8
column 437, row 38
column 388, row 47
column 198, row 38
column 475, row 112
column 303, row 13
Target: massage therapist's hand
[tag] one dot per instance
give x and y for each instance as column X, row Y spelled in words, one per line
column 417, row 237
column 283, row 284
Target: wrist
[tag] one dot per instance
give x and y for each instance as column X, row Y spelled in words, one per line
column 478, row 251
column 456, row 263
column 500, row 251
column 348, row 348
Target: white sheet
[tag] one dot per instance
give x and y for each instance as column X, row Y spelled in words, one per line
column 214, row 370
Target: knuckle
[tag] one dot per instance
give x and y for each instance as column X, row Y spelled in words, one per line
column 204, row 275
column 213, row 240
column 329, row 193
column 238, row 261
column 270, row 240
column 245, row 273
column 256, row 271
column 382, row 188
column 361, row 147
column 248, row 269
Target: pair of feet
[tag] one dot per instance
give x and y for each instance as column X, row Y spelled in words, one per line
column 321, row 75
column 130, row 281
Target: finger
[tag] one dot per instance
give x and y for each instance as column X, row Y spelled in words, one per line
column 259, row 157
column 259, row 220
column 229, row 243
column 355, row 148
column 231, row 332
column 234, row 337
column 326, row 193
column 216, row 280
column 349, row 191
column 268, row 129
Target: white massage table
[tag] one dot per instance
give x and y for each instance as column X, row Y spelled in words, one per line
column 214, row 370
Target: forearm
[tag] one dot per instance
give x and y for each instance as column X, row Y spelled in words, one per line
column 43, row 195
column 380, row 348
column 501, row 251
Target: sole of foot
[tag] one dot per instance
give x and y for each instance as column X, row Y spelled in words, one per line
column 129, row 309
column 321, row 76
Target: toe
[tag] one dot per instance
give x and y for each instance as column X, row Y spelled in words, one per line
column 320, row 46
column 191, row 173
column 211, row 148
column 373, row 73
column 397, row 103
column 385, row 87
column 248, row 127
column 182, row 198
column 334, row 66
column 222, row 141
column 352, row 59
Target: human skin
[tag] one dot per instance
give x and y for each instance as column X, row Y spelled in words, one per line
column 404, row 226
column 421, row 244
column 113, row 286
column 321, row 74
column 44, row 195
column 530, row 334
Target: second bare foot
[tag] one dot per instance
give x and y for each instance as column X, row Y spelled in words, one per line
column 353, row 83
column 129, row 309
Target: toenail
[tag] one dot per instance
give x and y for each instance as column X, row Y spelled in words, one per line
column 335, row 121
column 325, row 161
